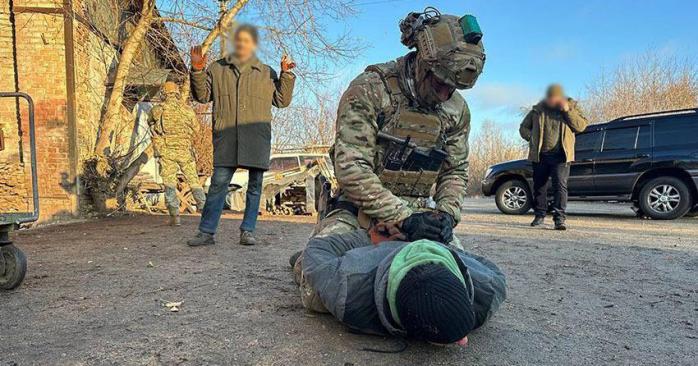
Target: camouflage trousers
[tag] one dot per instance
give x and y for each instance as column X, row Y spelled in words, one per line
column 336, row 222
column 170, row 165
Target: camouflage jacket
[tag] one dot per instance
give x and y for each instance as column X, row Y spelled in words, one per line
column 358, row 153
column 173, row 125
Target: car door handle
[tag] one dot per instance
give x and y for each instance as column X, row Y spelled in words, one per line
column 588, row 161
column 642, row 156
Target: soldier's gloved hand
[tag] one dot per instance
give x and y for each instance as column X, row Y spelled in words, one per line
column 423, row 225
column 447, row 229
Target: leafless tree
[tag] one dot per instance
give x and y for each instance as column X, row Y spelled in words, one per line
column 296, row 28
column 310, row 121
column 490, row 146
column 650, row 83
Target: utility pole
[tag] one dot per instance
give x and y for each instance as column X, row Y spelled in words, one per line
column 222, row 7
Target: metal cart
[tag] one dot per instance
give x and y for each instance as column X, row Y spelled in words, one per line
column 13, row 263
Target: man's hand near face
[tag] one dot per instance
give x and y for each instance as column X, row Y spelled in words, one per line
column 564, row 105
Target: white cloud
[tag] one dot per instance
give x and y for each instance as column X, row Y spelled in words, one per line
column 501, row 96
column 560, row 52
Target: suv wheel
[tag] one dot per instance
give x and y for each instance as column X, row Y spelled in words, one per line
column 513, row 197
column 665, row 198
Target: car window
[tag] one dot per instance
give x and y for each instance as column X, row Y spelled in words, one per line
column 620, row 139
column 676, row 131
column 644, row 138
column 590, row 141
column 285, row 163
column 307, row 160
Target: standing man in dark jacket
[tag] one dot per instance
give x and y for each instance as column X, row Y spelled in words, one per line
column 550, row 129
column 242, row 90
column 422, row 289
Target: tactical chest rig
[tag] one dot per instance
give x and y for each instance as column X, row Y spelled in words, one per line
column 172, row 131
column 410, row 140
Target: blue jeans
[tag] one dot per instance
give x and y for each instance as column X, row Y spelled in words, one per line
column 215, row 200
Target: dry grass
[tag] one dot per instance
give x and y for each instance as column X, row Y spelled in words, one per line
column 491, row 146
column 651, row 83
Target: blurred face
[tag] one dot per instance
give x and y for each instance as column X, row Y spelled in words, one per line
column 553, row 100
column 245, row 46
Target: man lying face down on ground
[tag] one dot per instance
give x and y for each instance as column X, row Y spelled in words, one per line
column 420, row 289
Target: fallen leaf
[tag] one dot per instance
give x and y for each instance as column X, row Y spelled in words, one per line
column 173, row 306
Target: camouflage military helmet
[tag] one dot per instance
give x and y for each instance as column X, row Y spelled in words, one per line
column 450, row 45
column 170, row 87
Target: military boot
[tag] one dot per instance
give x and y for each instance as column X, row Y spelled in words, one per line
column 560, row 224
column 201, row 239
column 174, row 216
column 175, row 220
column 247, row 238
column 200, row 198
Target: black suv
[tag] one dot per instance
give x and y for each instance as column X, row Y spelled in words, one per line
column 648, row 159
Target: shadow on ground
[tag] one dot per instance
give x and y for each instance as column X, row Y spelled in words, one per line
column 608, row 291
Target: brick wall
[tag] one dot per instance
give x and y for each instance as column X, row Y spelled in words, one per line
column 40, row 59
column 13, row 194
column 63, row 143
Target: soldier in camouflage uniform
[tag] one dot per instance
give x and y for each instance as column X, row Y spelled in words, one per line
column 173, row 125
column 413, row 99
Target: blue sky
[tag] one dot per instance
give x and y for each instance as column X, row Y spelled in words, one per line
column 530, row 44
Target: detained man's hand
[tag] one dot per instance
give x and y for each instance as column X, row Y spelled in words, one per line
column 386, row 231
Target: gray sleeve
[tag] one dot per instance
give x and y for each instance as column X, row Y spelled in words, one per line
column 322, row 261
column 489, row 283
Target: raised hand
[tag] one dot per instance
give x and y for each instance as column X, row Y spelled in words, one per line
column 287, row 64
column 198, row 58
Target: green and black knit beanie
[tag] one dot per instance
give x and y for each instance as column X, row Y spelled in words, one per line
column 427, row 294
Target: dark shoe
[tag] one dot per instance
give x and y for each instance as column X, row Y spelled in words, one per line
column 294, row 258
column 247, row 238
column 201, row 239
column 538, row 221
column 175, row 221
column 560, row 225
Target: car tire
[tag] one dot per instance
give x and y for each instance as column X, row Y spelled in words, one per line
column 693, row 213
column 665, row 198
column 514, row 197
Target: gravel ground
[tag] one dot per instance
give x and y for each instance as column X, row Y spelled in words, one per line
column 612, row 290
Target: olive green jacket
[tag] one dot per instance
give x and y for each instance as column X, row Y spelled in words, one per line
column 242, row 101
column 532, row 128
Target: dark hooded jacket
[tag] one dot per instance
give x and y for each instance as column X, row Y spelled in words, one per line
column 350, row 275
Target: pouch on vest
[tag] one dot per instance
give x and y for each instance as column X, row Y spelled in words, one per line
column 409, row 167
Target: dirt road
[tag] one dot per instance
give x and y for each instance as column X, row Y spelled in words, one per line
column 612, row 290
